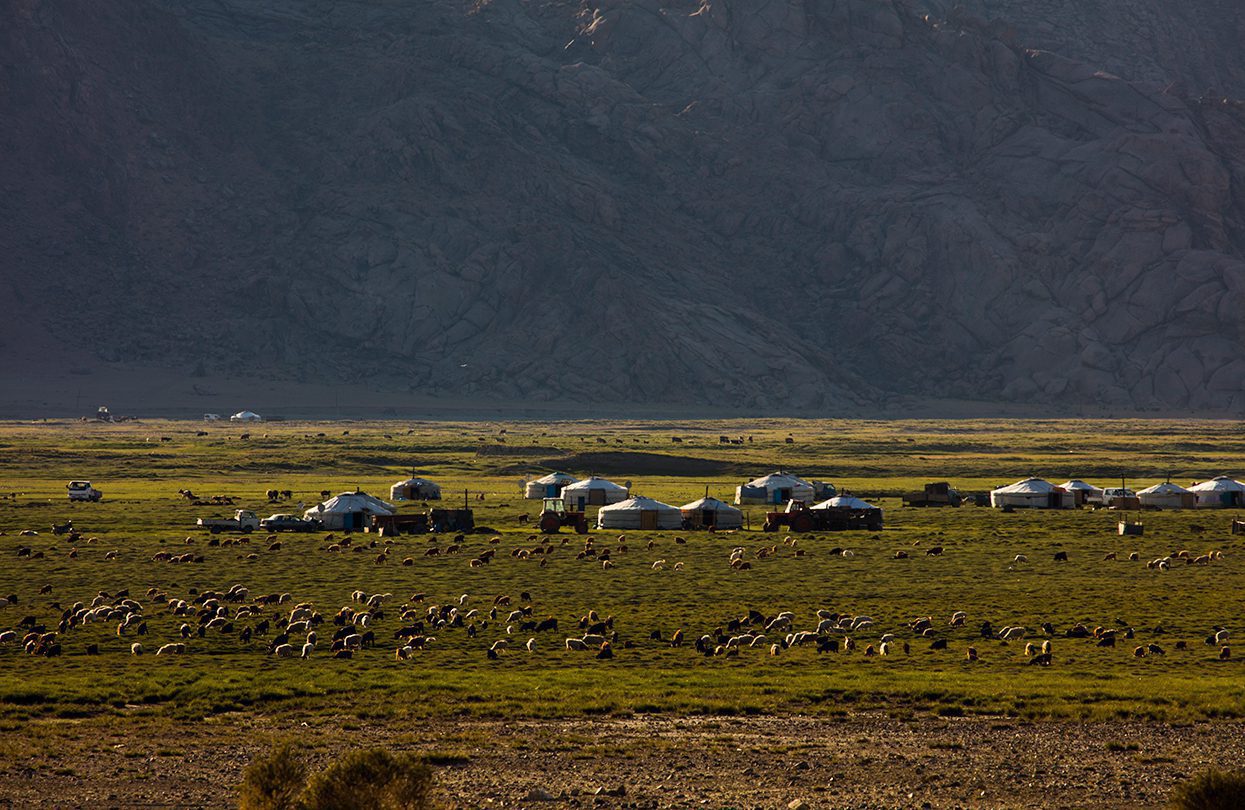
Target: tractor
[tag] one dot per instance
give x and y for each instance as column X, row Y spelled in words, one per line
column 555, row 515
column 797, row 517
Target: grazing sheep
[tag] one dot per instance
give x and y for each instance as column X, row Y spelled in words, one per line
column 1225, row 653
column 136, row 649
column 171, row 649
column 576, row 644
column 971, row 654
column 283, row 651
column 774, row 649
column 307, row 648
column 1061, row 556
column 1020, row 558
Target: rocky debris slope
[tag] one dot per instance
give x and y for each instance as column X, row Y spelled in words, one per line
column 796, row 204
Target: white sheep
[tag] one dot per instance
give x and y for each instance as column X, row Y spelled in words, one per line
column 531, row 644
column 575, row 644
column 171, row 649
column 593, row 639
column 500, row 644
column 307, row 648
column 757, row 641
column 658, row 564
column 283, row 651
column 678, row 566
column 1020, row 558
column 136, row 649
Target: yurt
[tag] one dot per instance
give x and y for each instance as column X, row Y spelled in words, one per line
column 246, row 416
column 639, row 513
column 710, row 512
column 1167, row 496
column 349, row 511
column 1085, row 493
column 856, row 514
column 592, row 492
column 775, row 488
column 415, row 489
column 549, row 486
column 1220, row 492
column 1032, row 493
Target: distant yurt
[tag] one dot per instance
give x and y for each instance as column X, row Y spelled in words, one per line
column 349, row 511
column 1220, row 492
column 853, row 513
column 1032, row 493
column 775, row 488
column 1167, row 496
column 639, row 513
column 592, row 492
column 415, row 489
column 246, row 416
column 1085, row 493
column 549, row 486
column 710, row 512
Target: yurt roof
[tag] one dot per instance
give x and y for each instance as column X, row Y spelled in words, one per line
column 594, row 483
column 1029, row 486
column 1078, row 484
column 1165, row 488
column 844, row 502
column 556, row 478
column 638, row 503
column 413, row 482
column 245, row 415
column 357, row 502
column 1220, row 483
column 708, row 503
column 779, row 480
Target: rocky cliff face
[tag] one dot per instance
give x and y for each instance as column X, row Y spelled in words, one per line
column 800, row 204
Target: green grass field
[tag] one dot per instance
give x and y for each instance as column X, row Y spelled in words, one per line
column 142, row 514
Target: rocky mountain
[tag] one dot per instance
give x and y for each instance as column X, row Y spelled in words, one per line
column 801, row 205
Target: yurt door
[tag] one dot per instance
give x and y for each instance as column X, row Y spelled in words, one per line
column 782, row 496
column 1055, row 500
column 551, row 491
column 648, row 519
column 708, row 518
column 596, row 497
column 579, row 503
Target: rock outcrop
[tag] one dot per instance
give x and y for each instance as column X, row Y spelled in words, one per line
column 801, row 204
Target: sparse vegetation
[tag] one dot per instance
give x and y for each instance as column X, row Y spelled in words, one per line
column 1213, row 790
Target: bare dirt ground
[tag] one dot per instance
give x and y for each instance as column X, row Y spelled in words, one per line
column 861, row 761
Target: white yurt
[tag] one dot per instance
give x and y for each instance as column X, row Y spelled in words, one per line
column 415, row 489
column 349, row 511
column 1032, row 493
column 592, row 492
column 1085, row 493
column 845, row 502
column 1220, row 492
column 708, row 512
column 775, row 488
column 639, row 513
column 246, row 416
column 549, row 486
column 1167, row 496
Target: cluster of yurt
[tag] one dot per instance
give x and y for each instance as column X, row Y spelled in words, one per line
column 349, row 511
column 776, row 488
column 1032, row 493
column 638, row 512
column 593, row 492
column 1220, row 492
column 549, row 486
column 415, row 489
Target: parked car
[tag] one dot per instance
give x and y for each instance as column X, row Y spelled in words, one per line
column 290, row 523
column 83, row 491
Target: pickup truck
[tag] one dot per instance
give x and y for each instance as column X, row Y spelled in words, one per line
column 243, row 520
column 290, row 523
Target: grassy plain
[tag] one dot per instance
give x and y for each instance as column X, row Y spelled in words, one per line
column 142, row 514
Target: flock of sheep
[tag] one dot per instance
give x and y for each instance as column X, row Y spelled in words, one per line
column 277, row 625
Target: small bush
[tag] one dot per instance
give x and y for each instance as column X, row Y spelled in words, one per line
column 371, row 780
column 273, row 782
column 1212, row 790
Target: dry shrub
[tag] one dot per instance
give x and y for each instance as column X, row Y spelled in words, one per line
column 273, row 782
column 1212, row 790
column 371, row 780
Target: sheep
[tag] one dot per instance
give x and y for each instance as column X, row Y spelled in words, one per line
column 593, row 639
column 500, row 644
column 171, row 649
column 1012, row 633
column 307, row 648
column 1020, row 558
column 283, row 651
column 576, row 644
column 884, row 648
column 1061, row 556
column 136, row 649
column 531, row 645
column 1225, row 653
column 1222, row 637
column 658, row 564
column 971, row 654
column 958, row 618
column 774, row 649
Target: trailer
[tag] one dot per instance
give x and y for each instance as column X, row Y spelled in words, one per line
column 434, row 520
column 243, row 520
column 798, row 517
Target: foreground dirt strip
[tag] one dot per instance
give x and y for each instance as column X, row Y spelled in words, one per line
column 858, row 761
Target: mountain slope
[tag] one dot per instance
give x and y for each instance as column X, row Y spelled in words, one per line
column 793, row 205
